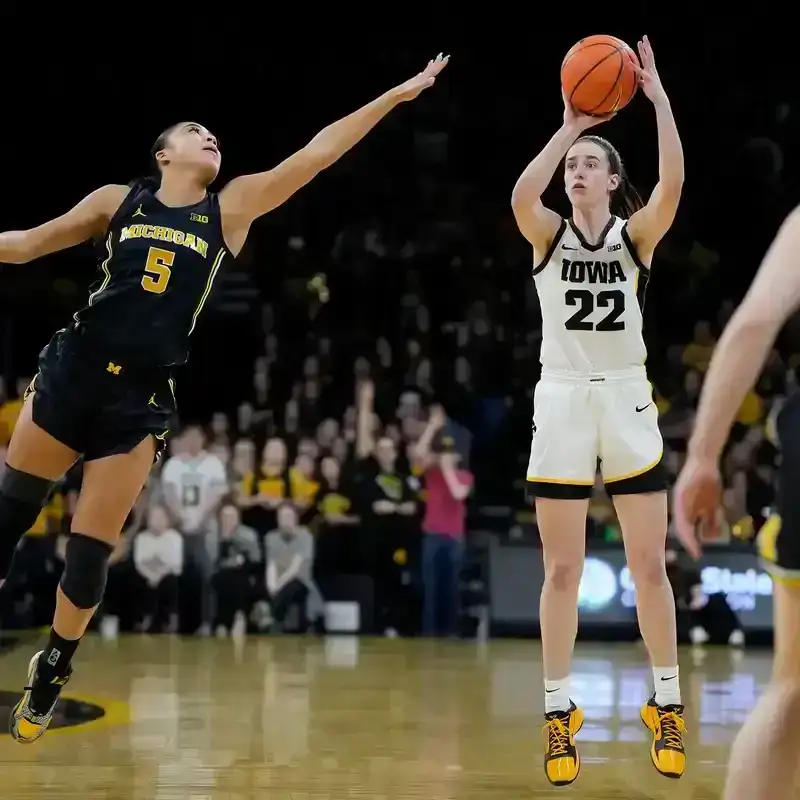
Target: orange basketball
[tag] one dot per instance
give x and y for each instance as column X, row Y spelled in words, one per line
column 598, row 75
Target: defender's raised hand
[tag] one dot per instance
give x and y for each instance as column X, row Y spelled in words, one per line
column 424, row 80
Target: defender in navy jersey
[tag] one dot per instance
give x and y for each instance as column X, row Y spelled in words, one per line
column 104, row 390
column 593, row 408
column 158, row 266
column 104, row 383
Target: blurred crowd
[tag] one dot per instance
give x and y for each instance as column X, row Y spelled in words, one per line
column 363, row 378
column 242, row 528
column 268, row 513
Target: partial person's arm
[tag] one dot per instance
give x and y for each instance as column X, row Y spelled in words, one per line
column 143, row 559
column 305, row 542
column 121, row 548
column 218, row 488
column 89, row 219
column 408, row 505
column 176, row 554
column 250, row 196
column 538, row 224
column 170, row 483
column 747, row 340
column 423, row 456
column 365, row 404
column 243, row 492
column 647, row 226
column 138, row 512
column 272, row 577
column 459, row 490
column 249, row 541
column 290, row 573
column 271, row 570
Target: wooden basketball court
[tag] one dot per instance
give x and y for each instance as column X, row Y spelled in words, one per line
column 302, row 719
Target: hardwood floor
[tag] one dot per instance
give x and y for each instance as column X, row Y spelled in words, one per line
column 309, row 719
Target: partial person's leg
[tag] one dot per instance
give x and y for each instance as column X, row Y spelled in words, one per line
column 148, row 606
column 562, row 527
column 206, row 564
column 34, row 461
column 451, row 594
column 430, row 584
column 763, row 759
column 561, row 474
column 294, row 592
column 167, row 603
column 197, row 563
column 643, row 519
column 110, row 488
column 225, row 594
column 631, row 450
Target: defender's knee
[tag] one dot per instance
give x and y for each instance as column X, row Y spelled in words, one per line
column 24, row 488
column 22, row 496
column 563, row 576
column 85, row 570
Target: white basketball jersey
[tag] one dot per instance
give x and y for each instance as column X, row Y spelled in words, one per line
column 591, row 298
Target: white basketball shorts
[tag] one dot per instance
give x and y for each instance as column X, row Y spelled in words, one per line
column 580, row 421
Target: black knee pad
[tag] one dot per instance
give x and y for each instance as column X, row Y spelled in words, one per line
column 24, row 487
column 85, row 570
column 21, row 499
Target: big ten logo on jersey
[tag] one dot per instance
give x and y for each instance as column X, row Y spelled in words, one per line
column 164, row 234
column 592, row 271
column 198, row 217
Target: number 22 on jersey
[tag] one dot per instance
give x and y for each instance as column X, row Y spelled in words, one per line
column 613, row 299
column 157, row 270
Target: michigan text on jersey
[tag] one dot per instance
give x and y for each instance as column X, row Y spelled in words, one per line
column 164, row 234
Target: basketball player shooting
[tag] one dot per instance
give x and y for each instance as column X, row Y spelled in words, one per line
column 104, row 389
column 594, row 402
column 763, row 760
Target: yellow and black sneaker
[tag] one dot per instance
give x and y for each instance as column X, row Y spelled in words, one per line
column 667, row 726
column 32, row 715
column 561, row 760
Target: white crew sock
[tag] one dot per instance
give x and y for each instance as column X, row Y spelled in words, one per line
column 556, row 695
column 667, row 685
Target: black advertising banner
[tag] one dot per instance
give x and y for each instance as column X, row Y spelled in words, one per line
column 607, row 595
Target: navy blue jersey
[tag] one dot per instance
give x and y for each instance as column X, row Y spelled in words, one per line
column 158, row 268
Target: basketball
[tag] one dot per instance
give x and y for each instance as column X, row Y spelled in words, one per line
column 598, row 75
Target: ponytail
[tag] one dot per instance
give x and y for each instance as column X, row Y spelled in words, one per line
column 625, row 199
column 151, row 183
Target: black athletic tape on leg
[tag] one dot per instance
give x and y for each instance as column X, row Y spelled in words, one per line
column 25, row 487
column 85, row 570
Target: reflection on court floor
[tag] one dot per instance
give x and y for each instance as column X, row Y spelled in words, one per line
column 296, row 719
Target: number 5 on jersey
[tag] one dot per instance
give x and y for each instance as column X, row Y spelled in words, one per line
column 157, row 270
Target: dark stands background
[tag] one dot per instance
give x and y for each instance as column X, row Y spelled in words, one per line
column 415, row 217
